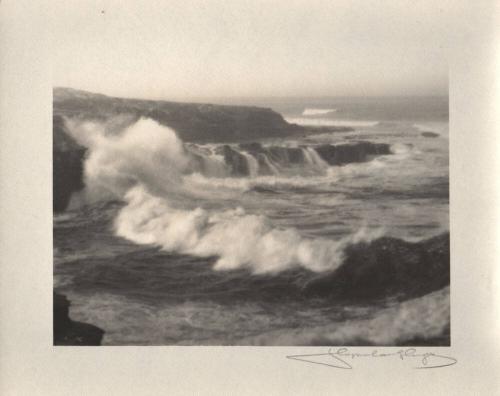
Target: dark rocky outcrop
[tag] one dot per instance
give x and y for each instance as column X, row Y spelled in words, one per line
column 430, row 134
column 287, row 155
column 341, row 154
column 280, row 157
column 338, row 154
column 236, row 161
column 69, row 332
column 387, row 268
column 67, row 168
column 279, row 154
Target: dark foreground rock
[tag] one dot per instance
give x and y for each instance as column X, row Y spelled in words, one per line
column 387, row 268
column 68, row 157
column 69, row 332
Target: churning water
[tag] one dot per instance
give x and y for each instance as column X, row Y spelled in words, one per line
column 182, row 243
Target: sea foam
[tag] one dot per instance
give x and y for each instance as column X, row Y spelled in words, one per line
column 422, row 318
column 146, row 166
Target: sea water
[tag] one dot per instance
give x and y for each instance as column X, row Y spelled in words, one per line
column 168, row 244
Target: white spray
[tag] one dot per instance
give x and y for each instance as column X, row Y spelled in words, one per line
column 147, row 165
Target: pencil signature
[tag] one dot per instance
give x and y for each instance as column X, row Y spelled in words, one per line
column 342, row 358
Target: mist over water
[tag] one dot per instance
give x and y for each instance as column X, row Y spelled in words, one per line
column 169, row 214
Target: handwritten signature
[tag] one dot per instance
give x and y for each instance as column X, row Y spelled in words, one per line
column 341, row 357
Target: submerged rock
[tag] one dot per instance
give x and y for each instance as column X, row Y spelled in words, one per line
column 387, row 268
column 430, row 134
column 70, row 332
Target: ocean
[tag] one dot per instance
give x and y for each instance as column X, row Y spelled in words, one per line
column 176, row 243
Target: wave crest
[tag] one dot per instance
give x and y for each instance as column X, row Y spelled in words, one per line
column 238, row 239
column 147, row 165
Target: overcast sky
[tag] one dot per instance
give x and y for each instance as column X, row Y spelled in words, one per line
column 186, row 49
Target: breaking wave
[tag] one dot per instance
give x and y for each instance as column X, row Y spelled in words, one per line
column 238, row 239
column 155, row 174
column 315, row 112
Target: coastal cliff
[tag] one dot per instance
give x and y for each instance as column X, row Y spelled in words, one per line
column 193, row 122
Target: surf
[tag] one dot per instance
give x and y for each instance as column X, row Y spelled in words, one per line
column 147, row 165
column 315, row 112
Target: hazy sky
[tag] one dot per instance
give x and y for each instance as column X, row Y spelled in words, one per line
column 182, row 49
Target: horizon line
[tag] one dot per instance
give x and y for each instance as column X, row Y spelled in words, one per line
column 182, row 98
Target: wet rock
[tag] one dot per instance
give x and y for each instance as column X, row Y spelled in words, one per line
column 236, row 161
column 341, row 154
column 70, row 332
column 387, row 268
column 67, row 171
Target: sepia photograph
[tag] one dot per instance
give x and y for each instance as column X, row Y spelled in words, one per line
column 225, row 175
column 278, row 197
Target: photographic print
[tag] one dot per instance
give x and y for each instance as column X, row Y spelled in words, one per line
column 225, row 175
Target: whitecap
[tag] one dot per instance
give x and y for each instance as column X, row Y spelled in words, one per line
column 314, row 112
